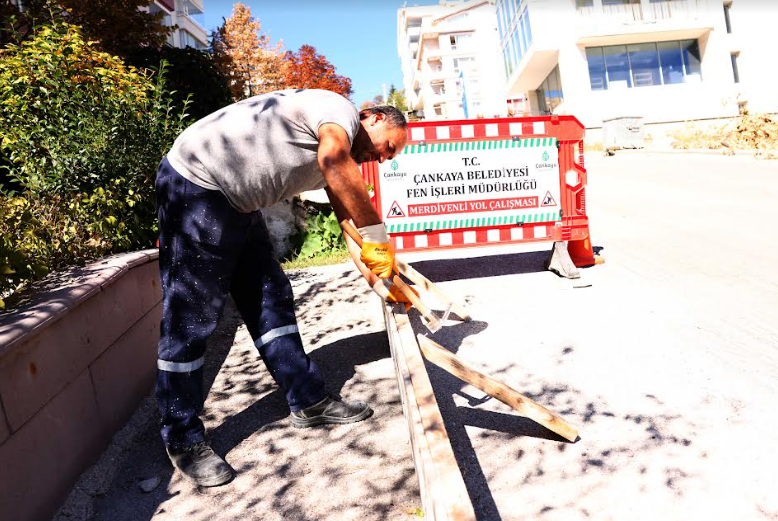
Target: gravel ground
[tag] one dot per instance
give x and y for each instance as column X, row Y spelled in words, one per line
column 354, row 472
column 665, row 357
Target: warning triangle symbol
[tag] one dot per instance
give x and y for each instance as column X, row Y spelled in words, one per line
column 395, row 211
column 548, row 200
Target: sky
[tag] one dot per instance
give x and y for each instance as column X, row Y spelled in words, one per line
column 359, row 37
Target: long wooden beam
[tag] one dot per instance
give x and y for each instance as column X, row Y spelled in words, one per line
column 413, row 275
column 426, row 284
column 527, row 407
column 441, row 485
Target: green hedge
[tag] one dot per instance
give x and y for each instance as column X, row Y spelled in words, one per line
column 82, row 134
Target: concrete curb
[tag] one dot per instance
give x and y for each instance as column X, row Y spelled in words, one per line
column 75, row 360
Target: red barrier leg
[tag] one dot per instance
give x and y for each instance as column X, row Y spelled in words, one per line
column 581, row 252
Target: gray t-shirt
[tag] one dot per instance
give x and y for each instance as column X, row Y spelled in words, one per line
column 262, row 149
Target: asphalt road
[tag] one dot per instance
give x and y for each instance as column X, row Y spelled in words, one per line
column 665, row 357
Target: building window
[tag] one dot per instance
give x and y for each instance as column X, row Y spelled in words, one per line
column 438, row 110
column 617, row 67
column 549, row 93
column 465, row 64
column 727, row 8
column 515, row 35
column 461, row 42
column 644, row 60
column 187, row 40
column 671, row 62
column 735, row 72
column 597, row 77
column 692, row 60
column 644, row 65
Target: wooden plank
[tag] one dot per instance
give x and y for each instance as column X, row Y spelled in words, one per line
column 430, row 320
column 413, row 275
column 527, row 407
column 427, row 285
column 443, row 491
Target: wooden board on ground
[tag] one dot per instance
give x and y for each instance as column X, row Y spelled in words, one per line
column 443, row 492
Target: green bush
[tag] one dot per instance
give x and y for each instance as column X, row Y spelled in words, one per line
column 74, row 118
column 82, row 134
column 323, row 234
column 190, row 72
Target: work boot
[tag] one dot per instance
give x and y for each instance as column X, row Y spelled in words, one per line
column 331, row 410
column 201, row 465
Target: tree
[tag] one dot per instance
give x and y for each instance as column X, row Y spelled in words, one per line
column 191, row 74
column 376, row 101
column 120, row 26
column 244, row 55
column 308, row 69
column 397, row 99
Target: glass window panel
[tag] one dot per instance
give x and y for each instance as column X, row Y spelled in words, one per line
column 617, row 67
column 691, row 60
column 727, row 19
column 735, row 72
column 596, row 61
column 527, row 32
column 645, row 64
column 552, row 86
column 559, row 82
column 499, row 24
column 671, row 62
column 509, row 55
column 517, row 43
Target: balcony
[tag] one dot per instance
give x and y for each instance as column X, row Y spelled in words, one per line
column 191, row 26
column 613, row 22
column 190, row 7
column 435, row 71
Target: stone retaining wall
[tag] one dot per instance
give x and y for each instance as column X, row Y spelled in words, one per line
column 74, row 363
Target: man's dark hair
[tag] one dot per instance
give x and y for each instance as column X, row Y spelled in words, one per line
column 394, row 117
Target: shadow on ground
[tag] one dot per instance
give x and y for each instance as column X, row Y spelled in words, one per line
column 442, row 270
column 359, row 471
column 478, row 434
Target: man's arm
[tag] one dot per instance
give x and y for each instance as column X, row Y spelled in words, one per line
column 348, row 196
column 345, row 186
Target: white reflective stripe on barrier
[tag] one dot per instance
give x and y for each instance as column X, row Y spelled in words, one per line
column 275, row 333
column 180, row 367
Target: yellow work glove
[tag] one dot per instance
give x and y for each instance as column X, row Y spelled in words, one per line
column 377, row 252
column 395, row 295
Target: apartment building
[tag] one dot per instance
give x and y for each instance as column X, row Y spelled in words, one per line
column 665, row 60
column 187, row 17
column 451, row 68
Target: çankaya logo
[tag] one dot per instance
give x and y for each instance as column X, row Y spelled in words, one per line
column 545, row 164
column 394, row 165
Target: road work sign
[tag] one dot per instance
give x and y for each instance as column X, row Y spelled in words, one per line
column 471, row 184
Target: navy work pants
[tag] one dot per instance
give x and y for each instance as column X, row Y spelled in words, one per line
column 207, row 249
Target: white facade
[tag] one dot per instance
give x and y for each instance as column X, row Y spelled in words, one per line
column 450, row 67
column 664, row 60
column 186, row 15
